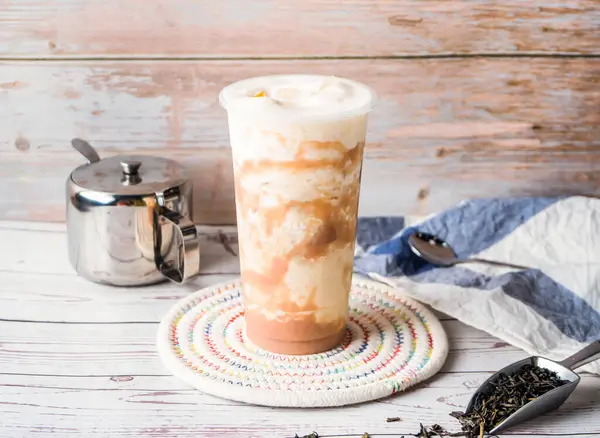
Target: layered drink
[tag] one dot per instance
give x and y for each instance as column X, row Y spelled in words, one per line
column 297, row 144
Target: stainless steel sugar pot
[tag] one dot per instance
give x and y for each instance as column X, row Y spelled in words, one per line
column 129, row 220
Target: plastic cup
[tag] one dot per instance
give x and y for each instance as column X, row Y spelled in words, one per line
column 297, row 175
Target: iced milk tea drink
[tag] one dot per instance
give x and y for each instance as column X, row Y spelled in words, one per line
column 297, row 144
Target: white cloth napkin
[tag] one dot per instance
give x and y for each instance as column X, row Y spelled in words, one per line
column 552, row 309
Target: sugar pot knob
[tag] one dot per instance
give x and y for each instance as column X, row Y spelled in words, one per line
column 130, row 172
column 130, row 167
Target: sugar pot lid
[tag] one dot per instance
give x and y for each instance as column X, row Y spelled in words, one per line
column 126, row 174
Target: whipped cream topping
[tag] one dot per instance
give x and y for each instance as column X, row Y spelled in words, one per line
column 311, row 96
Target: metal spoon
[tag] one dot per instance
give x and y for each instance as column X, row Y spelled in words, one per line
column 85, row 149
column 436, row 251
column 549, row 401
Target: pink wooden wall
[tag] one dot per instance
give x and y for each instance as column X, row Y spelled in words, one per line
column 477, row 98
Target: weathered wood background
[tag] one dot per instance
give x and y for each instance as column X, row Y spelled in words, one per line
column 477, row 98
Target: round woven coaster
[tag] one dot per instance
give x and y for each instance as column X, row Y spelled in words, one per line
column 391, row 343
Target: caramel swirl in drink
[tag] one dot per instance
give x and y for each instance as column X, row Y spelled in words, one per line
column 297, row 143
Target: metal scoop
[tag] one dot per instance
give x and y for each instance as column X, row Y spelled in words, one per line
column 549, row 401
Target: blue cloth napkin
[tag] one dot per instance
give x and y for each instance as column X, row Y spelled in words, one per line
column 552, row 309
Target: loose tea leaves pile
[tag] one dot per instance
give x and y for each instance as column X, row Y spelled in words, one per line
column 509, row 394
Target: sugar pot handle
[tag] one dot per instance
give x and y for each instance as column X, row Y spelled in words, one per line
column 187, row 254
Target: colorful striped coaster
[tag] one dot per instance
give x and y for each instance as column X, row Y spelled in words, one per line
column 392, row 342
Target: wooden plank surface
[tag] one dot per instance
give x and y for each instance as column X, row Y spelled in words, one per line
column 443, row 130
column 31, row 282
column 79, row 359
column 161, row 406
column 288, row 28
column 129, row 348
column 218, row 246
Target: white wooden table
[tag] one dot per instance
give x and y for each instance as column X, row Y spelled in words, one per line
column 78, row 359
